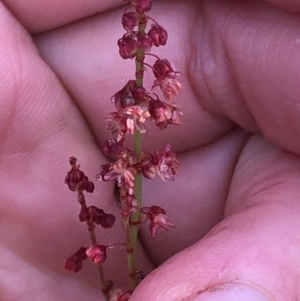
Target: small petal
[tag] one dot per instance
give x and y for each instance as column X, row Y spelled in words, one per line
column 97, row 253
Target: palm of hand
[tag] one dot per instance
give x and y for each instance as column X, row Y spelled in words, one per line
column 225, row 171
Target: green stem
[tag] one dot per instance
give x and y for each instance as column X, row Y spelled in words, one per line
column 91, row 227
column 131, row 226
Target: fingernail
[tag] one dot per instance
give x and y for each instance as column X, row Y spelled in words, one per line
column 233, row 293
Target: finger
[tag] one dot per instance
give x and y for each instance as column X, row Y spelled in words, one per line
column 99, row 73
column 38, row 16
column 39, row 129
column 253, row 253
column 293, row 5
column 246, row 64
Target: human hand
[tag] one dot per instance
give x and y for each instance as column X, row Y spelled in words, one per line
column 240, row 63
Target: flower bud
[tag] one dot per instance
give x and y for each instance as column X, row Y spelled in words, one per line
column 97, row 253
column 158, row 35
column 99, row 217
column 145, row 43
column 129, row 21
column 112, row 147
column 76, row 179
column 74, row 262
column 158, row 219
column 142, row 5
column 127, row 46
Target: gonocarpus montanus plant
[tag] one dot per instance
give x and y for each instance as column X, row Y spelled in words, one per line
column 134, row 107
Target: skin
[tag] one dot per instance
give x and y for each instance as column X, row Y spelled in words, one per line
column 236, row 203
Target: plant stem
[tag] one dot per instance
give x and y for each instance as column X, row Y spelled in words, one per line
column 134, row 219
column 91, row 229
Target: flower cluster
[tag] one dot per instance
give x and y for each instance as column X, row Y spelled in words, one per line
column 135, row 106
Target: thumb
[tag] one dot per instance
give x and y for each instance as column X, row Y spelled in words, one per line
column 253, row 254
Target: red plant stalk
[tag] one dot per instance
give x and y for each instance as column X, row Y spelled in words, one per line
column 134, row 106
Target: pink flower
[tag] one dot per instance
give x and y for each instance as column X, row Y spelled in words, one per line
column 164, row 114
column 164, row 164
column 97, row 253
column 136, row 117
column 123, row 170
column 158, row 219
column 116, row 124
column 166, row 79
column 167, row 165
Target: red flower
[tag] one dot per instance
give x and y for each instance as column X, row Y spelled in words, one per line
column 97, row 253
column 99, row 217
column 116, row 124
column 76, row 179
column 166, row 79
column 158, row 35
column 127, row 46
column 142, row 5
column 136, row 117
column 164, row 114
column 74, row 262
column 145, row 43
column 167, row 164
column 158, row 219
column 111, row 146
column 122, row 170
column 129, row 21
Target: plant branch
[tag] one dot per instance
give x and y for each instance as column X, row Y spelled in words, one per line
column 91, row 229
